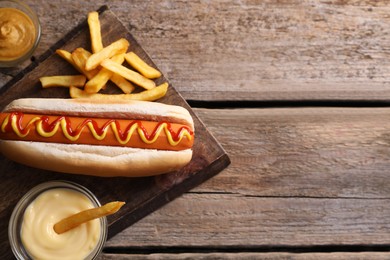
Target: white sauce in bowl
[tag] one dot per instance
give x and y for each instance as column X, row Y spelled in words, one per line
column 37, row 233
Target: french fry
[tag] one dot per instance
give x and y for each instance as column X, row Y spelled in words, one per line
column 80, row 57
column 104, row 64
column 100, row 79
column 141, row 66
column 117, row 47
column 77, row 219
column 95, row 33
column 122, row 83
column 133, row 76
column 68, row 57
column 63, row 81
column 146, row 95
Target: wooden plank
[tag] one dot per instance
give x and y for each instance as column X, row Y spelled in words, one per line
column 143, row 195
column 238, row 221
column 247, row 50
column 264, row 256
column 299, row 177
column 303, row 152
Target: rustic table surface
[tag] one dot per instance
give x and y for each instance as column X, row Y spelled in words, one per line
column 297, row 92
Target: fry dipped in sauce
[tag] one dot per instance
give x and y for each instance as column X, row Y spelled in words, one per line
column 37, row 233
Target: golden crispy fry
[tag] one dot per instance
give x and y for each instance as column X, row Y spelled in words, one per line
column 98, row 82
column 80, row 57
column 63, row 81
column 94, row 30
column 141, row 66
column 133, row 76
column 122, row 83
column 68, row 57
column 100, row 79
column 77, row 219
column 103, row 65
column 120, row 46
column 146, row 95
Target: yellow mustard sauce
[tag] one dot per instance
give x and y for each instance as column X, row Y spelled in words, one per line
column 17, row 34
column 63, row 124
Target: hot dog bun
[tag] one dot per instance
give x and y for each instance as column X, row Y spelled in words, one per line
column 98, row 160
column 141, row 110
column 104, row 161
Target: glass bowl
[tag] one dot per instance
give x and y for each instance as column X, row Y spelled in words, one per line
column 15, row 223
column 19, row 5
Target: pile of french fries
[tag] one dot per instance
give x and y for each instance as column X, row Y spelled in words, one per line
column 106, row 64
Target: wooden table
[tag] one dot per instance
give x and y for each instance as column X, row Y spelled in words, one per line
column 297, row 92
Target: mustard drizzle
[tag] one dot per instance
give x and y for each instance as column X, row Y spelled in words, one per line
column 63, row 124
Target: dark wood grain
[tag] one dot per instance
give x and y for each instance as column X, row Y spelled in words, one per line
column 142, row 195
column 245, row 256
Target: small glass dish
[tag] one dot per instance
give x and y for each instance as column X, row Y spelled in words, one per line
column 15, row 223
column 19, row 5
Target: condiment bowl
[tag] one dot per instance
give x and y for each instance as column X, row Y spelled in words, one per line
column 16, row 220
column 21, row 6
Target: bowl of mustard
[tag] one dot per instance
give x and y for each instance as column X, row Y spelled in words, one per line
column 20, row 32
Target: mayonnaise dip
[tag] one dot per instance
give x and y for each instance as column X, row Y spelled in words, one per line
column 37, row 233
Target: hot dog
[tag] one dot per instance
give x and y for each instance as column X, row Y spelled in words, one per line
column 81, row 136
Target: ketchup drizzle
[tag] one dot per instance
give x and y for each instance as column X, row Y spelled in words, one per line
column 48, row 127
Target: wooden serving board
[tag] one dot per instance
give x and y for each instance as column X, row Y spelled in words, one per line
column 142, row 195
